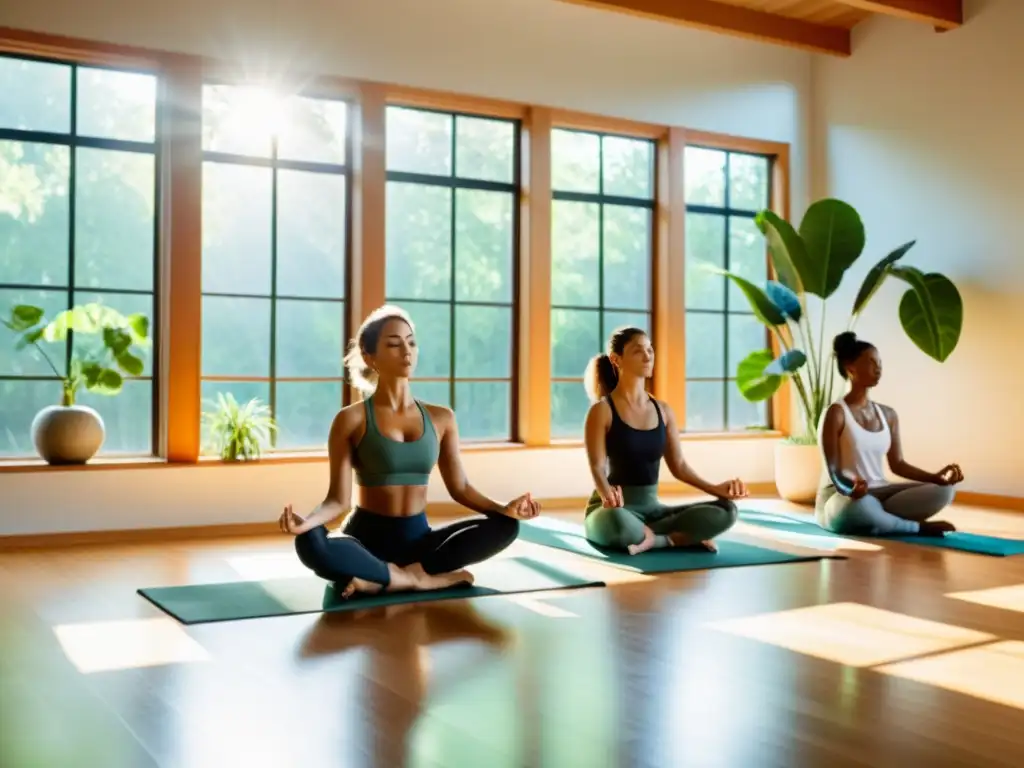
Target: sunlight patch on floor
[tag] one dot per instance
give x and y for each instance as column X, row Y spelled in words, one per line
column 539, row 604
column 993, row 672
column 1009, row 598
column 850, row 633
column 805, row 541
column 103, row 646
column 268, row 565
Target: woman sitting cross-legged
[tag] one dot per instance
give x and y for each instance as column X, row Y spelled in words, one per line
column 628, row 433
column 393, row 442
column 856, row 435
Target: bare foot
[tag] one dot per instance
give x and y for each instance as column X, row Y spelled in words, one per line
column 421, row 581
column 643, row 546
column 682, row 540
column 936, row 528
column 360, row 585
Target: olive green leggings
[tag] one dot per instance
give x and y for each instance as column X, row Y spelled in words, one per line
column 619, row 527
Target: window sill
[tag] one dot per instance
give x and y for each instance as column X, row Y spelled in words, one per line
column 312, row 457
column 97, row 464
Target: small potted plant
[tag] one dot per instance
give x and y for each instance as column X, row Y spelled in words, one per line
column 68, row 432
column 811, row 262
column 238, row 432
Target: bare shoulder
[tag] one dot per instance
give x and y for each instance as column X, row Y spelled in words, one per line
column 350, row 419
column 665, row 409
column 888, row 411
column 441, row 415
column 599, row 410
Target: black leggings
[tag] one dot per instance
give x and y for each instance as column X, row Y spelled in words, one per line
column 371, row 541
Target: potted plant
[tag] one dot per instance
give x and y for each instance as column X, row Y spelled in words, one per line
column 811, row 262
column 237, row 432
column 71, row 433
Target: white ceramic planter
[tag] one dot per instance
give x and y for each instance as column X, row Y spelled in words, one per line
column 798, row 470
column 68, row 434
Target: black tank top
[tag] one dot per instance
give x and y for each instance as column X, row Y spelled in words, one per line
column 634, row 455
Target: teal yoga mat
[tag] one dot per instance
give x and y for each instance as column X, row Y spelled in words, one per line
column 569, row 537
column 958, row 540
column 233, row 601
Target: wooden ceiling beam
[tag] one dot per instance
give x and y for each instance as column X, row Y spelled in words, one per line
column 941, row 14
column 736, row 21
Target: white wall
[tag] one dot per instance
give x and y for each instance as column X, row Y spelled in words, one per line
column 107, row 499
column 922, row 133
column 540, row 51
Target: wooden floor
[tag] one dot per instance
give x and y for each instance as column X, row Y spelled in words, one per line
column 899, row 656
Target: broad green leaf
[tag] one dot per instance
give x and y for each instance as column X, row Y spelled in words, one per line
column 788, row 362
column 130, row 364
column 760, row 304
column 754, row 383
column 788, row 252
column 23, row 317
column 876, row 276
column 117, row 340
column 102, row 380
column 931, row 312
column 139, row 325
column 833, row 235
column 784, row 299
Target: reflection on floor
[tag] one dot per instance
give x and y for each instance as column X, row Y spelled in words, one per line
column 899, row 655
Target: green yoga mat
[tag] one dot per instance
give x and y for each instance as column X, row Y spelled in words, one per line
column 570, row 537
column 958, row 540
column 232, row 601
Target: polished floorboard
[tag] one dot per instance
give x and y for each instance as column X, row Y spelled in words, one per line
column 898, row 656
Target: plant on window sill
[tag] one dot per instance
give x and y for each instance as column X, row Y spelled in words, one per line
column 71, row 433
column 238, row 432
column 813, row 262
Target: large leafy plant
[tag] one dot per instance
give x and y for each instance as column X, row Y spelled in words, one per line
column 237, row 432
column 101, row 367
column 812, row 261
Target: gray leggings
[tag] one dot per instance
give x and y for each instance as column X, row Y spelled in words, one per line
column 889, row 510
column 618, row 527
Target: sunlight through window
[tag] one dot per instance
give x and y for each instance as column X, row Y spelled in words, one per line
column 1009, row 598
column 853, row 634
column 992, row 672
column 111, row 645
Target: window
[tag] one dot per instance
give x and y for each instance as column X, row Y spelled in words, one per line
column 452, row 224
column 601, row 256
column 275, row 240
column 78, row 191
column 724, row 191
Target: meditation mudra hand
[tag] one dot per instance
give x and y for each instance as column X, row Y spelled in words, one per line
column 732, row 489
column 951, row 474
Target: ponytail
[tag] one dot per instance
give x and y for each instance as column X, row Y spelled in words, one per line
column 600, row 377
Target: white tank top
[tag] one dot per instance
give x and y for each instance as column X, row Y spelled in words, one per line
column 861, row 451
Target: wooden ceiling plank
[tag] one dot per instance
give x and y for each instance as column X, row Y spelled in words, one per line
column 942, row 14
column 736, row 21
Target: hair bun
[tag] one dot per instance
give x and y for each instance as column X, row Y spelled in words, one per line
column 844, row 341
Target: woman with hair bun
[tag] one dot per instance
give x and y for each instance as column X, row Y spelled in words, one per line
column 628, row 433
column 856, row 435
column 393, row 442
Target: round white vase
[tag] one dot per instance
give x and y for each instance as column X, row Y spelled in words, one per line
column 68, row 434
column 798, row 470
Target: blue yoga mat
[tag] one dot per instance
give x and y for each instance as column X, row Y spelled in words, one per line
column 559, row 534
column 958, row 540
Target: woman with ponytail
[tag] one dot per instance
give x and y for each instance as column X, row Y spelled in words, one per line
column 628, row 433
column 856, row 436
column 391, row 442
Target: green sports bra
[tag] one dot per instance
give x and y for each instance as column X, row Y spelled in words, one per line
column 380, row 461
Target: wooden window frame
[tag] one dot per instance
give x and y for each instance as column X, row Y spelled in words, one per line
column 586, row 124
column 180, row 238
column 454, row 183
